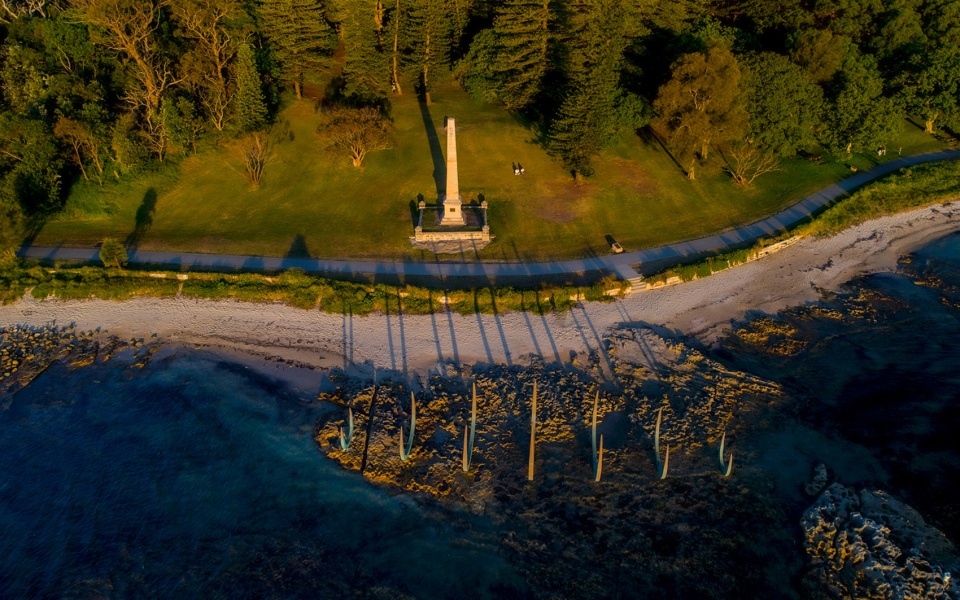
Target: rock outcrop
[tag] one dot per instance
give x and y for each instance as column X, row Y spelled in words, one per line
column 869, row 545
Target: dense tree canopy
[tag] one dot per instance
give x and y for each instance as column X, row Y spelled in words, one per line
column 786, row 107
column 95, row 89
column 701, row 104
column 299, row 34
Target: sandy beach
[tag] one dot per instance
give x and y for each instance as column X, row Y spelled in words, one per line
column 300, row 345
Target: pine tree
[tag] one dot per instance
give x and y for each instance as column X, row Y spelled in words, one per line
column 575, row 135
column 429, row 27
column 299, row 35
column 394, row 31
column 522, row 28
column 589, row 116
column 360, row 26
column 250, row 107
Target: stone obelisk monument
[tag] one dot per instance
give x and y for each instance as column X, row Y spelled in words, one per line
column 452, row 201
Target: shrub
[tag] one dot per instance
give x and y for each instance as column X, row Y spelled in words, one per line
column 113, row 253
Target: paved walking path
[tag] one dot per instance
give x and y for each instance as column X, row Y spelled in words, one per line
column 623, row 265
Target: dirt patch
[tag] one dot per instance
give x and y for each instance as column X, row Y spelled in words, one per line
column 563, row 202
column 634, row 177
column 313, row 91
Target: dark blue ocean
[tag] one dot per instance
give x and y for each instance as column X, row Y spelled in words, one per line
column 194, row 478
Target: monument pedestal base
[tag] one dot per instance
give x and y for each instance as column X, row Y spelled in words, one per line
column 450, row 245
column 452, row 215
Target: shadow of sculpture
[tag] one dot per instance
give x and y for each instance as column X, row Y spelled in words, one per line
column 298, row 248
column 436, row 152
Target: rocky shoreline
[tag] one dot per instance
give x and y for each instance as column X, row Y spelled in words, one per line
column 565, row 531
column 26, row 351
column 695, row 533
column 866, row 544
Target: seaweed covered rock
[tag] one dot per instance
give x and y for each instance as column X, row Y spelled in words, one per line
column 690, row 535
column 869, row 545
column 26, row 351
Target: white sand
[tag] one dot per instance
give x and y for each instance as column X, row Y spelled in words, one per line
column 407, row 344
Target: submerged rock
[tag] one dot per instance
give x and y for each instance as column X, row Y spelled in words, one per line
column 819, row 480
column 27, row 351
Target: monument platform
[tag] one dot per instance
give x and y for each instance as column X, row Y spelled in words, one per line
column 451, row 227
column 432, row 234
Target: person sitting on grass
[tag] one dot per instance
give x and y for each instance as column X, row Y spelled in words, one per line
column 521, row 169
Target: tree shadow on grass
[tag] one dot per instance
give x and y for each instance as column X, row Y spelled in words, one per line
column 653, row 139
column 31, row 228
column 144, row 219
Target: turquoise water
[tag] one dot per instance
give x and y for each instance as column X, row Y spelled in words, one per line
column 195, row 478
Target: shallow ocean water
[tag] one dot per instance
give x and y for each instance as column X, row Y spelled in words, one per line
column 196, row 478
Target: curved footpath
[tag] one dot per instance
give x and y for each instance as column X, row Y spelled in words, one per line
column 620, row 264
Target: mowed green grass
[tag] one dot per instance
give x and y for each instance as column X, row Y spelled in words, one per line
column 313, row 201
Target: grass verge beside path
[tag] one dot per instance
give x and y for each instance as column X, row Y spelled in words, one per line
column 312, row 203
column 294, row 288
column 901, row 191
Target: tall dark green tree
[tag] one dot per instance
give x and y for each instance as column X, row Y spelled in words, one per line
column 523, row 33
column 183, row 125
column 589, row 117
column 24, row 80
column 854, row 19
column 360, row 26
column 820, row 53
column 899, row 31
column 394, row 35
column 930, row 86
column 858, row 115
column 477, row 71
column 429, row 28
column 300, row 36
column 251, row 111
column 461, row 11
column 927, row 76
column 941, row 22
column 29, row 159
column 785, row 105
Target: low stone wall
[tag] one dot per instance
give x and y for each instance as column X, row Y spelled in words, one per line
column 444, row 236
column 763, row 252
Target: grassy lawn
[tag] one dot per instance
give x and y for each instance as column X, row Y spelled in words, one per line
column 313, row 202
